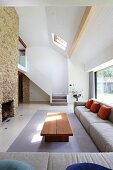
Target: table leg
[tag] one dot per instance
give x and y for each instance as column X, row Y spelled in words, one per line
column 56, row 138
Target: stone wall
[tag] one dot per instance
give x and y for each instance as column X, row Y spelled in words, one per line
column 25, row 89
column 9, row 25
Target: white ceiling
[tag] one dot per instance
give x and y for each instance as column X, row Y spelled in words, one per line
column 36, row 25
column 64, row 22
column 98, row 35
column 54, row 2
column 32, row 26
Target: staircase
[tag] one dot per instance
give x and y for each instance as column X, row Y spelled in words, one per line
column 39, row 79
column 59, row 100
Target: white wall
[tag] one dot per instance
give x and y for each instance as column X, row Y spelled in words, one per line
column 36, row 94
column 79, row 77
column 51, row 65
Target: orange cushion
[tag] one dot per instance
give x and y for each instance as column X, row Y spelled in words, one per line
column 95, row 107
column 89, row 103
column 104, row 112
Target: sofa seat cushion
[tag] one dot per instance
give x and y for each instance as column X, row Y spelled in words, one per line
column 88, row 118
column 62, row 160
column 39, row 160
column 80, row 109
column 102, row 135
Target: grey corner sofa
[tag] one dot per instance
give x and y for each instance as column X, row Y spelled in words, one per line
column 101, row 131
column 59, row 161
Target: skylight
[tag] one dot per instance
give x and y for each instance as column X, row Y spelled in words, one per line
column 59, row 41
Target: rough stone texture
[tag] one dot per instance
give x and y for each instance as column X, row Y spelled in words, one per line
column 25, row 89
column 9, row 24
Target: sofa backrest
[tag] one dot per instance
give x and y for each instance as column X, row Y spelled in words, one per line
column 110, row 118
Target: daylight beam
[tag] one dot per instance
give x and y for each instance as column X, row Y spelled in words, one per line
column 82, row 27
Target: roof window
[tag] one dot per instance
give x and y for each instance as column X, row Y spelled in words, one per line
column 59, row 41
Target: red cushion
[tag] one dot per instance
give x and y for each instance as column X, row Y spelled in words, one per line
column 104, row 112
column 95, row 107
column 89, row 103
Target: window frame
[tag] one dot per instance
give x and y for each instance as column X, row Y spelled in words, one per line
column 96, row 79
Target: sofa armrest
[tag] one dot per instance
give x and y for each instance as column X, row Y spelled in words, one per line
column 79, row 103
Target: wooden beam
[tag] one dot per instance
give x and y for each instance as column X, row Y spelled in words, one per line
column 82, row 27
column 22, row 42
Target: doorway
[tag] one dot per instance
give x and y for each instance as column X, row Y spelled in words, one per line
column 20, row 87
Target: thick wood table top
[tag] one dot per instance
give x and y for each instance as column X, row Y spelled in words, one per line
column 56, row 124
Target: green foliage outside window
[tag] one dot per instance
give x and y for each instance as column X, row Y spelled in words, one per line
column 105, row 81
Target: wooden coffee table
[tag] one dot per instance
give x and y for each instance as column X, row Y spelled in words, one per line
column 56, row 128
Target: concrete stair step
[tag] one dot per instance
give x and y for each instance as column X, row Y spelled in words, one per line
column 59, row 100
column 59, row 104
column 59, row 97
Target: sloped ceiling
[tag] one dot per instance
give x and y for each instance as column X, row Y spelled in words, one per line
column 97, row 37
column 54, row 2
column 33, row 26
column 64, row 22
column 36, row 25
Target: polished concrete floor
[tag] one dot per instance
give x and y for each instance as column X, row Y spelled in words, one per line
column 11, row 129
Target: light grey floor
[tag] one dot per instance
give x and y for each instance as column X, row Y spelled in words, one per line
column 30, row 140
column 10, row 130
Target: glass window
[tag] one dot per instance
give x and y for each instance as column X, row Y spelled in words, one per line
column 22, row 58
column 104, row 84
column 59, row 41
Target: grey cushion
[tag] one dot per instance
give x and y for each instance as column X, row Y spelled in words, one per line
column 79, row 103
column 110, row 118
column 80, row 109
column 62, row 160
column 102, row 135
column 88, row 118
